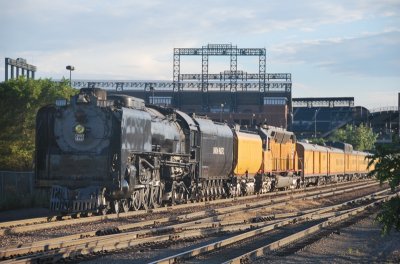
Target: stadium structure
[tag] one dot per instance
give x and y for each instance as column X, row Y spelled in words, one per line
column 239, row 97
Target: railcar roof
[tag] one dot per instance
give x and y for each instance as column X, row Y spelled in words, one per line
column 361, row 153
column 216, row 129
column 247, row 135
column 314, row 147
column 278, row 134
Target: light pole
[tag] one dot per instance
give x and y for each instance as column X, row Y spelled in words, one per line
column 220, row 115
column 70, row 68
column 152, row 92
column 315, row 124
column 252, row 119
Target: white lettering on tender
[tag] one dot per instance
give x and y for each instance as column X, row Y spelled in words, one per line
column 218, row 151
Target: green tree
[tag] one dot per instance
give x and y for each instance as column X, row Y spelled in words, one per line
column 386, row 167
column 20, row 99
column 361, row 137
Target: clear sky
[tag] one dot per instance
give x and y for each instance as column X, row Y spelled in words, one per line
column 331, row 47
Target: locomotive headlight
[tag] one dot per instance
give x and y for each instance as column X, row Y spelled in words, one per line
column 79, row 129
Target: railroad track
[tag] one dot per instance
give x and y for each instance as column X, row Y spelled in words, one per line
column 177, row 228
column 331, row 216
column 35, row 224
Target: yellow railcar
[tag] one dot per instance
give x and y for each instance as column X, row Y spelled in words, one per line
column 351, row 165
column 324, row 162
column 279, row 151
column 273, row 159
column 314, row 162
column 336, row 163
column 361, row 163
column 345, row 163
column 279, row 157
column 356, row 165
column 248, row 154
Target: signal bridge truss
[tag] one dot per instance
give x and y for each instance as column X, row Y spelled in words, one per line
column 232, row 80
column 275, row 82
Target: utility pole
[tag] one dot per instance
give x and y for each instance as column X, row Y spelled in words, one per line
column 315, row 124
column 152, row 92
column 70, row 68
column 220, row 115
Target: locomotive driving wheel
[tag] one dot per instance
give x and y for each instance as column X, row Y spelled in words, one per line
column 155, row 197
column 179, row 194
column 161, row 191
column 116, row 206
column 136, row 201
column 102, row 210
column 200, row 194
column 144, row 195
column 266, row 187
column 152, row 198
column 125, row 203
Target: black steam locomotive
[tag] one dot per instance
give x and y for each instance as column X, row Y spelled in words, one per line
column 101, row 153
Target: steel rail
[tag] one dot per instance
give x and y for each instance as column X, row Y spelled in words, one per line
column 234, row 239
column 97, row 243
column 11, row 226
column 277, row 201
column 116, row 242
column 219, row 214
column 29, row 228
column 307, row 232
